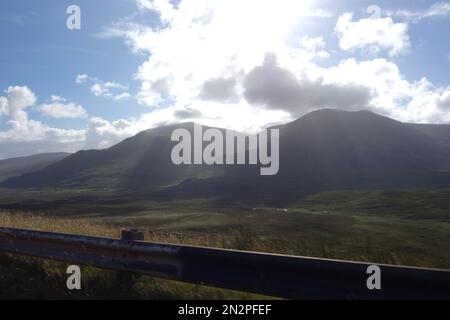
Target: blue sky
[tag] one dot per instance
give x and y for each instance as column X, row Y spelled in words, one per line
column 45, row 56
column 236, row 64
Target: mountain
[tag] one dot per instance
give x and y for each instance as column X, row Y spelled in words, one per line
column 142, row 163
column 337, row 149
column 18, row 166
column 324, row 150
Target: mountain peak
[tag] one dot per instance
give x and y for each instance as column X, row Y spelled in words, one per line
column 356, row 114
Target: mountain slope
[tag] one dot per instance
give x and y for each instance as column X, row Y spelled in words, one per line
column 358, row 148
column 440, row 132
column 18, row 166
column 336, row 150
column 324, row 150
column 142, row 163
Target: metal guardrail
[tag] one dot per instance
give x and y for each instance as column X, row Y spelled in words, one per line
column 268, row 274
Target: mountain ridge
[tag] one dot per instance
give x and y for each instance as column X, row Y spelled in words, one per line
column 323, row 150
column 17, row 166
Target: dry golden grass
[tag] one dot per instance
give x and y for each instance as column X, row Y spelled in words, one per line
column 43, row 222
column 55, row 224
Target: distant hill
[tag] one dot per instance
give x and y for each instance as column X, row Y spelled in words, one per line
column 18, row 166
column 324, row 150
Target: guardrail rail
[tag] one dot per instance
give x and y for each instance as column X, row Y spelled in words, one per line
column 268, row 274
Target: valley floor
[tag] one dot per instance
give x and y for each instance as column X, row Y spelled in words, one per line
column 395, row 227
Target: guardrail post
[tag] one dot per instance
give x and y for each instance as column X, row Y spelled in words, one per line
column 132, row 235
column 128, row 279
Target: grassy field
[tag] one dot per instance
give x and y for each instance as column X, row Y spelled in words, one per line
column 396, row 227
column 32, row 278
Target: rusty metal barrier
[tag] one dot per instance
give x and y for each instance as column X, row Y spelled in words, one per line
column 268, row 274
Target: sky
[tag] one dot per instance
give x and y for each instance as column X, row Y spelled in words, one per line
column 242, row 65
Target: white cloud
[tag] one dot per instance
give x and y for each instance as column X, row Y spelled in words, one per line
column 98, row 90
column 112, row 90
column 375, row 34
column 82, row 78
column 219, row 73
column 58, row 108
column 55, row 98
column 314, row 47
column 199, row 59
column 24, row 129
column 121, row 96
column 107, row 89
column 26, row 136
column 393, row 95
column 220, row 89
column 443, row 101
column 277, row 88
column 440, row 9
column 17, row 100
column 211, row 46
column 103, row 134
